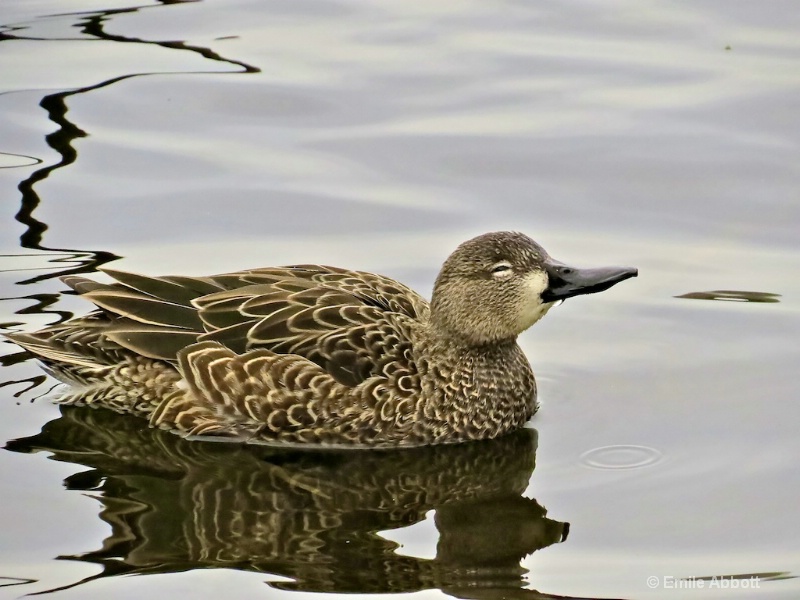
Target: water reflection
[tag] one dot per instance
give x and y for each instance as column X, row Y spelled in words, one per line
column 61, row 140
column 92, row 27
column 313, row 517
column 41, row 304
column 71, row 261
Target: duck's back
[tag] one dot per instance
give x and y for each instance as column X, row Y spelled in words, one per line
column 341, row 320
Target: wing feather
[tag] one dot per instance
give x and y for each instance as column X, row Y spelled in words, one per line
column 164, row 288
column 338, row 319
column 161, row 343
column 145, row 309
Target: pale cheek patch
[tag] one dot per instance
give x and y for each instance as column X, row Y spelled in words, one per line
column 534, row 309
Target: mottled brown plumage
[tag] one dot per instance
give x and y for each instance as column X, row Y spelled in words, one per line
column 318, row 355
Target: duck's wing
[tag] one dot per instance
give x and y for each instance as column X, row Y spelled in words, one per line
column 348, row 322
column 352, row 324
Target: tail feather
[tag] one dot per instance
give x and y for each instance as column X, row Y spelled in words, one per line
column 80, row 284
column 48, row 352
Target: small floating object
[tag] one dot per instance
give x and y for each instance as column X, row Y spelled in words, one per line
column 733, row 296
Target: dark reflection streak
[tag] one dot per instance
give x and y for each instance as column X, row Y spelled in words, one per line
column 94, row 27
column 110, row 568
column 129, row 9
column 33, row 383
column 28, row 269
column 5, row 36
column 15, row 581
column 61, row 141
column 43, row 301
column 72, row 261
column 13, row 359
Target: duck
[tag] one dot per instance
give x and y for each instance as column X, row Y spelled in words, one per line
column 318, row 356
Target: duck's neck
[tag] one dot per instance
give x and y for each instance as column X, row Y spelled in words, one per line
column 478, row 390
column 457, row 346
column 442, row 330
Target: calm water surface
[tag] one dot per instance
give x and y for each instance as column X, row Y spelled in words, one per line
column 200, row 137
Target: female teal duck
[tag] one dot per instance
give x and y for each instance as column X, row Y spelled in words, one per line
column 317, row 355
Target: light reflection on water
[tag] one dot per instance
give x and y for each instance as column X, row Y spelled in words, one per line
column 378, row 137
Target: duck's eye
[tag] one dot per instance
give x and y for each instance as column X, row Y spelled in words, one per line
column 501, row 269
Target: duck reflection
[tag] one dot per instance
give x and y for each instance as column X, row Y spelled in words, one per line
column 311, row 516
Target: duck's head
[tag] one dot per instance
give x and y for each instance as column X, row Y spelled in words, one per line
column 495, row 286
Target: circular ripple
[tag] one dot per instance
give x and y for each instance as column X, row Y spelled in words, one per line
column 10, row 161
column 621, row 457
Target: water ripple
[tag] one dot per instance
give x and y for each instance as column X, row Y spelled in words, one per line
column 9, row 160
column 621, row 456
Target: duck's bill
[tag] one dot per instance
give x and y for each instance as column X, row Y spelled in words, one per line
column 565, row 282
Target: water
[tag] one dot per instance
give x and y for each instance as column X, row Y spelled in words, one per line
column 207, row 136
